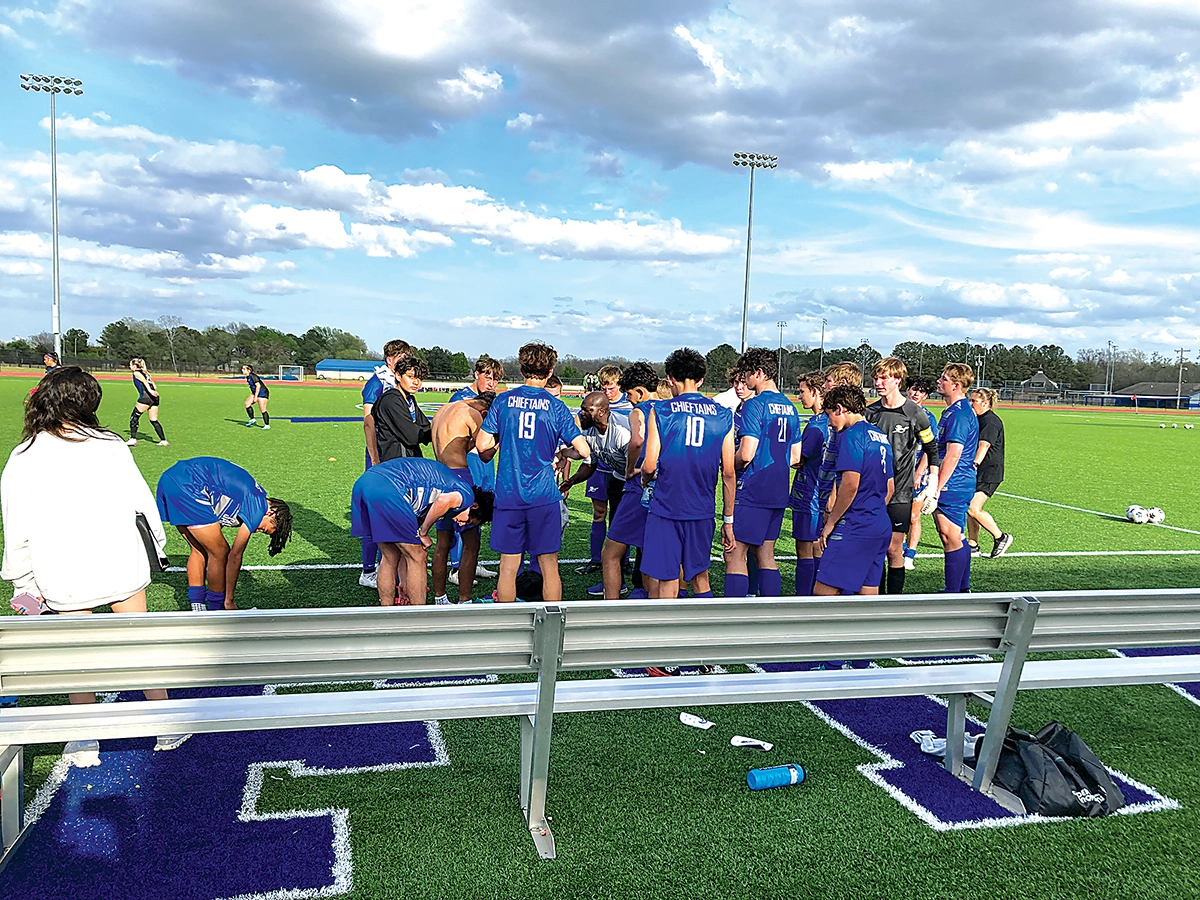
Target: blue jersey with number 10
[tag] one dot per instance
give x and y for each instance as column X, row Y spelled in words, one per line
column 530, row 424
column 691, row 430
column 770, row 417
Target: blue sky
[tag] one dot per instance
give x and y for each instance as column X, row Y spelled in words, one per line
column 477, row 174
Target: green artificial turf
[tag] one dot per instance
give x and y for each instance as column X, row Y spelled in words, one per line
column 638, row 810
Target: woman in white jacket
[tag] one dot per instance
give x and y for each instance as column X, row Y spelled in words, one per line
column 70, row 494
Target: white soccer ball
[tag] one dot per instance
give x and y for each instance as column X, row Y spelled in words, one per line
column 1137, row 515
column 1162, row 424
column 1174, row 424
column 1155, row 515
column 1188, row 427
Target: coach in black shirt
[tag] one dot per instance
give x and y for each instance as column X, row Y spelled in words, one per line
column 401, row 427
column 989, row 465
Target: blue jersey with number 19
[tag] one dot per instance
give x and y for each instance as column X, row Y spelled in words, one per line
column 530, row 424
column 691, row 430
column 770, row 417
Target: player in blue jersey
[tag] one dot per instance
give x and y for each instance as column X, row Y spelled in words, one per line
column 857, row 531
column 850, row 375
column 958, row 442
column 201, row 496
column 396, row 504
column 918, row 388
column 147, row 401
column 766, row 451
column 527, row 426
column 689, row 445
column 638, row 383
column 258, row 394
column 806, row 513
column 381, row 380
column 488, row 373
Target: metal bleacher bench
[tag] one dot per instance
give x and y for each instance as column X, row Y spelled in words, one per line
column 61, row 654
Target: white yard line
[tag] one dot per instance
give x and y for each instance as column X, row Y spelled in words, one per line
column 1094, row 512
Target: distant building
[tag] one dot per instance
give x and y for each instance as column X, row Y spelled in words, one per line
column 1038, row 388
column 1161, row 394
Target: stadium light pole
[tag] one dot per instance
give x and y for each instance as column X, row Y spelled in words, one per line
column 824, row 322
column 779, row 357
column 1110, row 369
column 752, row 161
column 53, row 85
column 1179, row 387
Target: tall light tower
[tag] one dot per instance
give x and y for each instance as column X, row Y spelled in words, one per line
column 53, row 85
column 1179, row 390
column 779, row 358
column 753, row 161
column 1110, row 370
column 824, row 322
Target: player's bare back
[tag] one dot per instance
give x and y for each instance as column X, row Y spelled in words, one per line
column 454, row 427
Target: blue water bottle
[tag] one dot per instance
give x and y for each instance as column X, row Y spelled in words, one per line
column 775, row 776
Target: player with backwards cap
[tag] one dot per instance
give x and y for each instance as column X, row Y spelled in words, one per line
column 770, row 431
column 689, row 446
column 958, row 442
column 527, row 425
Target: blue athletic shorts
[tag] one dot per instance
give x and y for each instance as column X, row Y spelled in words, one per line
column 954, row 507
column 536, row 530
column 447, row 523
column 378, row 513
column 806, row 523
column 756, row 525
column 483, row 474
column 669, row 543
column 597, row 486
column 176, row 507
column 629, row 523
column 850, row 564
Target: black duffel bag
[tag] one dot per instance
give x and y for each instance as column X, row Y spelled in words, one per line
column 1056, row 774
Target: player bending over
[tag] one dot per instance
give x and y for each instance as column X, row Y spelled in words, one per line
column 689, row 445
column 382, row 380
column 770, row 432
column 200, row 497
column 147, row 401
column 454, row 428
column 258, row 394
column 907, row 428
column 395, row 504
column 527, row 425
column 806, row 512
column 857, row 531
column 958, row 441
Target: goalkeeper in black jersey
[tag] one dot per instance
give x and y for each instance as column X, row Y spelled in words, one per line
column 907, row 426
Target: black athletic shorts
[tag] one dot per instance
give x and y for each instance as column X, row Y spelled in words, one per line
column 987, row 487
column 147, row 400
column 901, row 515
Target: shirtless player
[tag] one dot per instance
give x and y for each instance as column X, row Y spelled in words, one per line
column 454, row 427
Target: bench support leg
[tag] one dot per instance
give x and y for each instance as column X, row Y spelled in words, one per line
column 535, row 730
column 956, row 727
column 1021, row 615
column 12, row 791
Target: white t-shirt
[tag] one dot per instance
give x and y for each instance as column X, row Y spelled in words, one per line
column 69, row 512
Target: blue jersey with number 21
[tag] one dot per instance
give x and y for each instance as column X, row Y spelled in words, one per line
column 770, row 417
column 530, row 424
column 691, row 430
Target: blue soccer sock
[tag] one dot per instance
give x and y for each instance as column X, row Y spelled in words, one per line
column 214, row 600
column 456, row 551
column 958, row 569
column 196, row 594
column 770, row 583
column 596, row 541
column 736, row 585
column 370, row 552
column 806, row 576
column 752, row 571
column 704, row 595
column 910, row 552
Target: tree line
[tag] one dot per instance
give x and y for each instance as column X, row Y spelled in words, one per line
column 167, row 344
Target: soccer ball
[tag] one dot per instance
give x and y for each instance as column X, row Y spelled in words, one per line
column 1156, row 515
column 1189, row 426
column 1162, row 424
column 1174, row 424
column 1137, row 515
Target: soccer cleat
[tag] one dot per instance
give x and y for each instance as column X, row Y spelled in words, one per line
column 1002, row 544
column 639, row 594
column 170, row 741
column 910, row 562
column 452, row 576
column 82, row 754
column 367, row 579
column 250, row 424
column 597, row 590
column 588, row 568
column 661, row 671
column 266, row 428
column 132, row 442
column 164, row 443
column 975, row 551
column 481, row 572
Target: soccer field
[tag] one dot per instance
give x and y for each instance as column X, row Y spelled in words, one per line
column 642, row 806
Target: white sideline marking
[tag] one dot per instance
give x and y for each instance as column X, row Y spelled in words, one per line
column 1094, row 512
column 303, row 567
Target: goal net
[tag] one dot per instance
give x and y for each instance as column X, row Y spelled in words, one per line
column 291, row 373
